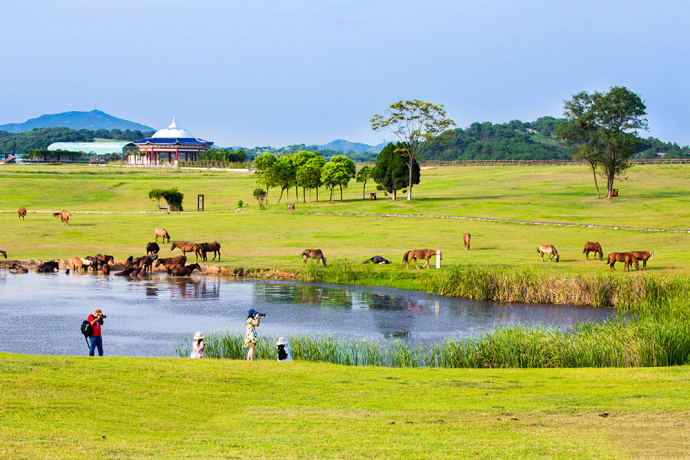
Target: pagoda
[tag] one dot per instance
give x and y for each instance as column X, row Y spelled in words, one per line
column 172, row 144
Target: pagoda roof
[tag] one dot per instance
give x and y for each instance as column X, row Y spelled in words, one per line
column 173, row 141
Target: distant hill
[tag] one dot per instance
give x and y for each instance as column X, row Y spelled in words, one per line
column 346, row 146
column 76, row 120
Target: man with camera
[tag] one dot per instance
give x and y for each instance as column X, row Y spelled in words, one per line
column 96, row 321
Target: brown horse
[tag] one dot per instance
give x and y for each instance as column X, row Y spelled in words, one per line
column 64, row 217
column 171, row 262
column 643, row 256
column 313, row 254
column 152, row 248
column 3, row 252
column 210, row 247
column 83, row 264
column 466, row 240
column 185, row 271
column 163, row 233
column 146, row 263
column 105, row 269
column 625, row 257
column 48, row 267
column 595, row 248
column 426, row 254
column 104, row 259
column 187, row 247
column 22, row 213
column 18, row 269
column 548, row 249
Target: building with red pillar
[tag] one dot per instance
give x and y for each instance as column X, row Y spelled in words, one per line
column 168, row 146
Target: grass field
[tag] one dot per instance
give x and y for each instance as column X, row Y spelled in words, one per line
column 75, row 407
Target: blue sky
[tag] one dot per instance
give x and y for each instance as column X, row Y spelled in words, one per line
column 277, row 73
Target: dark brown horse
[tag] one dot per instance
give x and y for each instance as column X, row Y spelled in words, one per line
column 185, row 271
column 466, row 240
column 104, row 259
column 426, row 254
column 187, row 247
column 22, row 213
column 625, row 257
column 105, row 269
column 48, row 267
column 163, row 233
column 18, row 269
column 152, row 248
column 595, row 248
column 643, row 256
column 548, row 249
column 171, row 262
column 313, row 254
column 210, row 247
column 146, row 262
column 125, row 272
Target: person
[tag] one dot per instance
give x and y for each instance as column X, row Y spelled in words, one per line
column 284, row 352
column 96, row 321
column 251, row 339
column 198, row 346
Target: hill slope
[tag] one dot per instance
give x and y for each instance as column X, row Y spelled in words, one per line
column 76, row 120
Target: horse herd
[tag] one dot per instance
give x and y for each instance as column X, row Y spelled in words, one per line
column 628, row 258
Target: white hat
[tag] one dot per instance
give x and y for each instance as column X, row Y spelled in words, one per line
column 198, row 336
column 281, row 341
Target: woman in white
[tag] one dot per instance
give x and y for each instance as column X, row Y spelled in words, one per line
column 198, row 346
column 284, row 352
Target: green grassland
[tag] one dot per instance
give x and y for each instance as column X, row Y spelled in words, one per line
column 76, row 407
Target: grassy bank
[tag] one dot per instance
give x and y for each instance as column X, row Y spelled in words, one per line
column 75, row 407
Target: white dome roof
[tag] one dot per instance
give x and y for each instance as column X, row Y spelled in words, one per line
column 173, row 131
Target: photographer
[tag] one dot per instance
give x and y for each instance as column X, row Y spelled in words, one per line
column 251, row 339
column 96, row 321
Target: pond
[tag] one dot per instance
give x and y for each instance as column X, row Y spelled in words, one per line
column 41, row 313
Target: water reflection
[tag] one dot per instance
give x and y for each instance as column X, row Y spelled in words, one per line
column 149, row 316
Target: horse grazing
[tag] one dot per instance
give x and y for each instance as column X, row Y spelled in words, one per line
column 22, row 213
column 163, row 233
column 414, row 254
column 210, row 247
column 185, row 270
column 548, row 249
column 187, row 247
column 466, row 239
column 18, row 269
column 171, row 262
column 152, row 248
column 64, row 216
column 313, row 254
column 3, row 252
column 48, row 267
column 643, row 256
column 625, row 257
column 595, row 248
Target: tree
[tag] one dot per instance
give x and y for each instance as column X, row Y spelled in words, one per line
column 363, row 175
column 309, row 175
column 260, row 195
column 284, row 173
column 299, row 159
column 333, row 174
column 603, row 128
column 350, row 169
column 413, row 123
column 391, row 171
column 262, row 165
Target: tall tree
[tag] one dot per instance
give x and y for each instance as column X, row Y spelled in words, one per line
column 284, row 173
column 603, row 127
column 299, row 159
column 350, row 169
column 262, row 165
column 391, row 171
column 309, row 175
column 363, row 175
column 334, row 173
column 413, row 123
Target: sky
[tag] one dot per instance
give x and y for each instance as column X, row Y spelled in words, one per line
column 277, row 73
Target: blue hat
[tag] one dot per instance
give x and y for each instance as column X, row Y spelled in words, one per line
column 252, row 312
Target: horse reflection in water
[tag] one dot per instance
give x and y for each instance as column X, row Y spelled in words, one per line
column 185, row 288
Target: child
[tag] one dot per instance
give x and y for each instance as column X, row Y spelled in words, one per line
column 283, row 350
column 197, row 346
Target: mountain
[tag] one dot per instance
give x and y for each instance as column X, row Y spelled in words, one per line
column 76, row 120
column 345, row 146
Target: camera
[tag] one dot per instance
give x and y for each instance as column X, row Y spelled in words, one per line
column 262, row 314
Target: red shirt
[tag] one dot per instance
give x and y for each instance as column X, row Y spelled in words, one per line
column 96, row 326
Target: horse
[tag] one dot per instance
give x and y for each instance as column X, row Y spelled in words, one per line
column 3, row 252
column 643, row 256
column 105, row 269
column 414, row 254
column 147, row 262
column 48, row 267
column 466, row 240
column 595, row 248
column 171, row 262
column 64, row 217
column 82, row 264
column 313, row 254
column 152, row 248
column 187, row 247
column 376, row 260
column 104, row 259
column 22, row 213
column 185, row 270
column 208, row 247
column 125, row 272
column 548, row 249
column 625, row 257
column 163, row 233
column 18, row 269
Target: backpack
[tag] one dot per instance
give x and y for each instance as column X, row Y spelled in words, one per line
column 87, row 330
column 282, row 354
